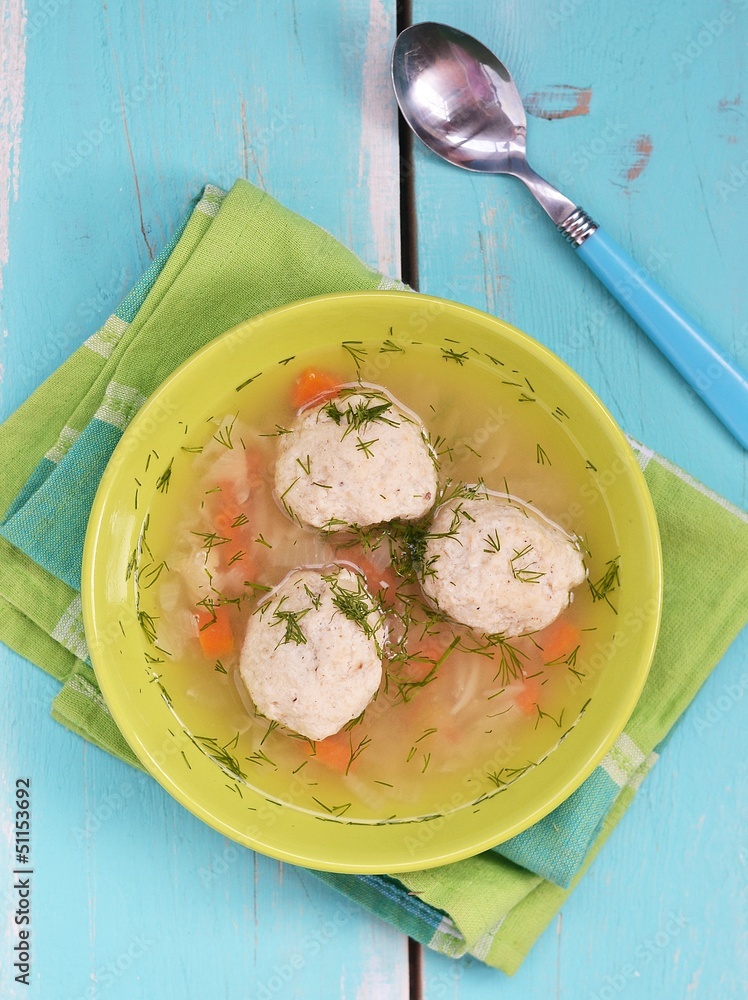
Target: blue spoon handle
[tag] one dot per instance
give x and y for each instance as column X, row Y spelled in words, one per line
column 713, row 374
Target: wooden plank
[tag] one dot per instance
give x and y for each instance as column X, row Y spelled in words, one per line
column 123, row 112
column 637, row 115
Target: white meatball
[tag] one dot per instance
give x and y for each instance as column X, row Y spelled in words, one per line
column 360, row 458
column 498, row 565
column 312, row 654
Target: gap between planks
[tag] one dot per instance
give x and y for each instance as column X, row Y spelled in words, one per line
column 409, row 274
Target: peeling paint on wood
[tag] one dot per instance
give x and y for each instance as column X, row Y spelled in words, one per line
column 12, row 79
column 559, row 101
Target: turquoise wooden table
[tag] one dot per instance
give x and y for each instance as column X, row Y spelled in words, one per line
column 112, row 116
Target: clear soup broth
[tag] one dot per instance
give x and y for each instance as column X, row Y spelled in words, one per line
column 448, row 725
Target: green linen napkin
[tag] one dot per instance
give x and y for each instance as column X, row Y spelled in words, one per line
column 239, row 254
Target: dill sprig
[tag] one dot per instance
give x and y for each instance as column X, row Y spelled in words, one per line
column 365, row 446
column 356, row 605
column 224, row 434
column 271, row 728
column 290, row 619
column 493, row 542
column 210, row 540
column 459, row 357
column 607, row 583
column 148, row 624
column 357, row 352
column 278, row 432
column 542, row 456
column 221, row 754
column 510, row 656
column 524, row 574
column 357, row 751
column 149, row 574
column 260, row 758
column 358, row 415
column 247, row 381
column 389, row 346
column 162, row 483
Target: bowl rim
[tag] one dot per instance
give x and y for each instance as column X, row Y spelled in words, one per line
column 624, row 709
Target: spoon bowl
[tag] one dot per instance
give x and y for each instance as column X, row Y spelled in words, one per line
column 459, row 98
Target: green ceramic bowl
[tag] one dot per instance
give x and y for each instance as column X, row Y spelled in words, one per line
column 511, row 404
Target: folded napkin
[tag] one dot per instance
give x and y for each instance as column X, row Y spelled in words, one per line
column 236, row 255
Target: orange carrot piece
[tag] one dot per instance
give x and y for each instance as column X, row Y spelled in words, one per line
column 526, row 697
column 313, row 385
column 376, row 579
column 334, row 751
column 214, row 632
column 559, row 639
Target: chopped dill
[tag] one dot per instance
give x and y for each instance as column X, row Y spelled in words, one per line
column 524, row 398
column 277, row 432
column 219, row 668
column 357, row 751
column 162, row 483
column 271, row 728
column 239, row 521
column 210, row 540
column 148, row 624
column 236, row 557
column 290, row 619
column 510, row 664
column 247, row 382
column 316, row 599
column 260, row 758
column 149, row 574
column 524, row 574
column 355, row 605
column 542, row 456
column 493, row 542
column 607, row 582
column 365, row 446
column 334, row 810
column 426, row 762
column 221, row 754
column 197, row 450
column 494, row 360
column 590, row 466
column 307, row 467
column 356, row 352
column 285, row 361
column 389, row 346
column 224, row 434
column 425, row 733
column 361, row 414
column 262, row 541
column 459, row 357
column 546, row 715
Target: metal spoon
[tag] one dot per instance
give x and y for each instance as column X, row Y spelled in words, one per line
column 462, row 102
